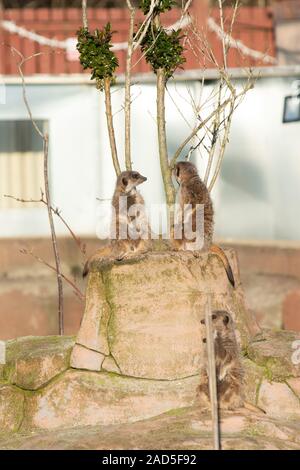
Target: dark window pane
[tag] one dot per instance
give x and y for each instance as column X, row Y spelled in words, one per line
column 20, row 136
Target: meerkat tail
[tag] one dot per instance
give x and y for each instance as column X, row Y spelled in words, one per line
column 255, row 409
column 86, row 269
column 220, row 253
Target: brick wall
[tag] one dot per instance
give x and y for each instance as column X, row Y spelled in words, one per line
column 254, row 26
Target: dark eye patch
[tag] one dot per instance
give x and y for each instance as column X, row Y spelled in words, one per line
column 177, row 171
column 135, row 176
column 226, row 320
column 214, row 316
column 124, row 181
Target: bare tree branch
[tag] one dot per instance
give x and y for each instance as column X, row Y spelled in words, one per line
column 110, row 125
column 56, row 211
column 84, row 14
column 45, row 138
column 224, row 45
column 53, row 237
column 77, row 291
column 194, row 132
column 162, row 138
column 127, row 88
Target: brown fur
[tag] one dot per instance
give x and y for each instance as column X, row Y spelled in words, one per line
column 193, row 191
column 120, row 248
column 228, row 365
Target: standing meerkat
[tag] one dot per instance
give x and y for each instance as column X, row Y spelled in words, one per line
column 193, row 192
column 228, row 365
column 129, row 228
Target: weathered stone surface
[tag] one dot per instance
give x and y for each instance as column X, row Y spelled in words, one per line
column 11, row 408
column 93, row 330
column 83, row 358
column 155, row 332
column 87, row 398
column 183, row 429
column 253, row 376
column 294, row 384
column 278, row 400
column 32, row 361
column 275, row 354
column 109, row 365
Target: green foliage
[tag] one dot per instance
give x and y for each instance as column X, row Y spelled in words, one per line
column 95, row 53
column 163, row 50
column 163, row 5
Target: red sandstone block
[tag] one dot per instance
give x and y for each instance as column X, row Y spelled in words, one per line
column 291, row 311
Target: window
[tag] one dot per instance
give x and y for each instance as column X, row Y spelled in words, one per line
column 21, row 163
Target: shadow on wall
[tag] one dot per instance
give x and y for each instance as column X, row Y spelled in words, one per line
column 245, row 176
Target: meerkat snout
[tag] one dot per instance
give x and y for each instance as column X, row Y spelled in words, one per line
column 129, row 180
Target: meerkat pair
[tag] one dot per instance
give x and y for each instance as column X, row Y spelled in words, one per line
column 192, row 193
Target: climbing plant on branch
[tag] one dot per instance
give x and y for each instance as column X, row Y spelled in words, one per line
column 96, row 55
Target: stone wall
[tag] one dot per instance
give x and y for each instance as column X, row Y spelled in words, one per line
column 40, row 391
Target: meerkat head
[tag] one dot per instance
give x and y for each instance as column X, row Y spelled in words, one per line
column 221, row 321
column 184, row 171
column 129, row 180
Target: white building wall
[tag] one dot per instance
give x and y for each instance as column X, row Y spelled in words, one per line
column 255, row 197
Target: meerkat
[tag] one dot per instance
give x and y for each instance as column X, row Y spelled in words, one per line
column 129, row 227
column 193, row 192
column 228, row 365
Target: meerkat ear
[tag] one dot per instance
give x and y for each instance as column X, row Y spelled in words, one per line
column 124, row 181
column 226, row 319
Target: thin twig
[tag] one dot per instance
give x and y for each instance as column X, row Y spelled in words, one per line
column 45, row 138
column 110, row 125
column 127, row 89
column 224, row 45
column 216, row 130
column 84, row 14
column 142, row 31
column 56, row 211
column 194, row 132
column 53, row 237
column 212, row 375
column 162, row 138
column 77, row 291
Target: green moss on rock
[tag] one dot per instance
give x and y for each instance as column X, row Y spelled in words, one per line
column 32, row 361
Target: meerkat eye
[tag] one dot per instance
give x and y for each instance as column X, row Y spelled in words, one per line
column 124, row 181
column 214, row 316
column 135, row 176
column 226, row 320
column 177, row 171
